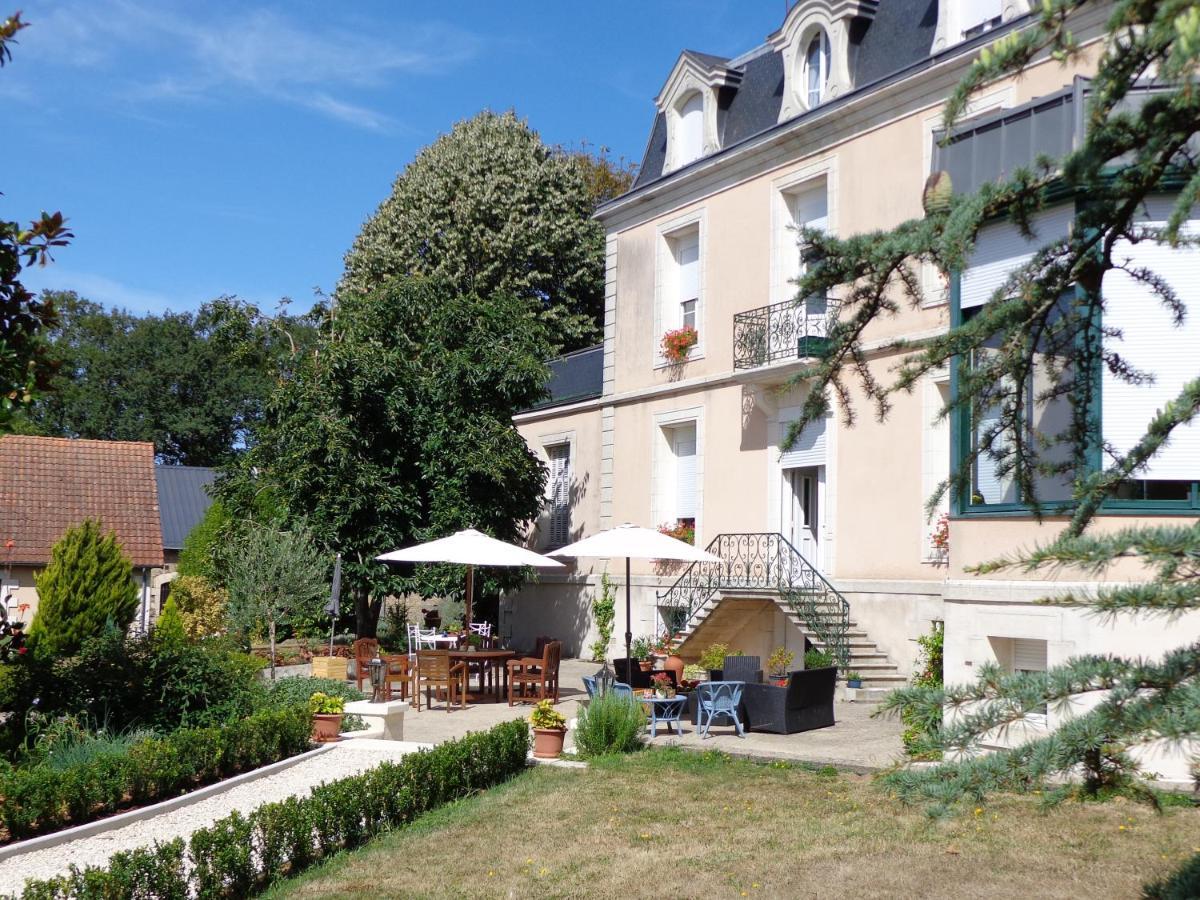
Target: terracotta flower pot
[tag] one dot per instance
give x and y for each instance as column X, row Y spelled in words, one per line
column 674, row 664
column 645, row 664
column 548, row 742
column 326, row 727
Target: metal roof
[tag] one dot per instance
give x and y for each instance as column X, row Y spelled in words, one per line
column 183, row 499
column 575, row 377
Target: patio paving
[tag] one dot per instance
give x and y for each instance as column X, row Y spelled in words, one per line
column 857, row 741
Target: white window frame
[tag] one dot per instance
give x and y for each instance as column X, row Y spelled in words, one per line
column 548, row 441
column 667, row 308
column 783, row 240
column 664, row 478
column 935, row 461
column 823, row 59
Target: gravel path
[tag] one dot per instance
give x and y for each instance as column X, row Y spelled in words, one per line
column 345, row 759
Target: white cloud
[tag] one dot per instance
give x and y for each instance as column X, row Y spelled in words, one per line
column 100, row 289
column 259, row 52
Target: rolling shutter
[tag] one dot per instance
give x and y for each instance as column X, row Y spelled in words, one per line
column 685, row 472
column 1028, row 655
column 1152, row 343
column 809, row 449
column 687, row 254
column 560, row 494
column 1001, row 248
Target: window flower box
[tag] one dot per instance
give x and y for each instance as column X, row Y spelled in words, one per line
column 678, row 343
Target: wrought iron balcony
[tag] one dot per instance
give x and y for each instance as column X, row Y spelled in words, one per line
column 782, row 331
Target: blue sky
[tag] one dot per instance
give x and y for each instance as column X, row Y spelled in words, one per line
column 233, row 148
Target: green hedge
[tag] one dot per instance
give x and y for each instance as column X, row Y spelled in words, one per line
column 39, row 799
column 241, row 855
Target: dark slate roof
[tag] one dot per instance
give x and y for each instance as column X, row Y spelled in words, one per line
column 183, row 500
column 707, row 58
column 900, row 34
column 575, row 377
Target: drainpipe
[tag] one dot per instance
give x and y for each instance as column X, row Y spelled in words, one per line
column 145, row 601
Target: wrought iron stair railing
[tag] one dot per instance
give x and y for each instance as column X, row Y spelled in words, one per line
column 764, row 561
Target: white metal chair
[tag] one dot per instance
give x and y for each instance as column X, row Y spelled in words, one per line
column 420, row 640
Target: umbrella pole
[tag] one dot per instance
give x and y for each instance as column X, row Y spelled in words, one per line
column 628, row 627
column 470, row 592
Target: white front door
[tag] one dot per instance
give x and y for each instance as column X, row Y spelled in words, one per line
column 803, row 513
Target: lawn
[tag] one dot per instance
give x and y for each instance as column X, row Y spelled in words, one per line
column 667, row 823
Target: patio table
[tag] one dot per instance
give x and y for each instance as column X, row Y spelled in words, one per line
column 489, row 661
column 666, row 710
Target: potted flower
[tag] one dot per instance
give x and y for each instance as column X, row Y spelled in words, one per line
column 327, row 716
column 853, row 680
column 678, row 343
column 661, row 683
column 693, row 674
column 549, row 730
column 777, row 665
column 641, row 649
column 818, row 659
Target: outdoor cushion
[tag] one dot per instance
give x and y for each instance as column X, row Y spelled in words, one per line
column 806, row 703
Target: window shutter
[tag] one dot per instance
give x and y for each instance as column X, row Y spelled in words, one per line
column 560, row 494
column 691, row 130
column 809, row 449
column 687, row 255
column 1001, row 248
column 977, row 12
column 1151, row 342
column 1028, row 655
column 685, row 472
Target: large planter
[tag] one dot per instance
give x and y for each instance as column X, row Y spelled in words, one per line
column 329, row 667
column 674, row 664
column 548, row 742
column 326, row 727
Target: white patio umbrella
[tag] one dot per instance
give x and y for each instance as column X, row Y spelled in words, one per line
column 634, row 542
column 471, row 548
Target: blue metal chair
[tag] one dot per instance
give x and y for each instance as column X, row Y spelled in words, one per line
column 621, row 689
column 718, row 698
column 589, row 685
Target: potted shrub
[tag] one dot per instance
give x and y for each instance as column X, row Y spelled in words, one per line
column 641, row 648
column 549, row 730
column 678, row 343
column 713, row 660
column 853, row 680
column 693, row 674
column 818, row 659
column 327, row 716
column 777, row 664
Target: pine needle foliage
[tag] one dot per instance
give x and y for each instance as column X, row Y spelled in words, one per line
column 87, row 585
column 1038, row 341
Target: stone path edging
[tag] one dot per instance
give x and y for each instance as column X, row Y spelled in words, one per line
column 120, row 820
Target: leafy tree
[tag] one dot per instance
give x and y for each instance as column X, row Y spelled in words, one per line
column 25, row 366
column 398, row 429
column 486, row 208
column 604, row 178
column 170, row 628
column 87, row 585
column 192, row 383
column 201, row 605
column 1130, row 150
column 273, row 575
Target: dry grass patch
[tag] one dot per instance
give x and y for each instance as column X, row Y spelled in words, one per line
column 675, row 824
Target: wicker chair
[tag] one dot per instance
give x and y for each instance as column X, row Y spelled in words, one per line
column 540, row 674
column 365, row 650
column 436, row 671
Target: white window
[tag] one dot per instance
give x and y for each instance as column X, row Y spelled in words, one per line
column 690, row 131
column 686, row 250
column 559, row 531
column 978, row 16
column 683, row 448
column 1150, row 342
column 1028, row 655
column 816, row 68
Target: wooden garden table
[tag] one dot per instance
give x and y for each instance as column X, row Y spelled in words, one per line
column 489, row 661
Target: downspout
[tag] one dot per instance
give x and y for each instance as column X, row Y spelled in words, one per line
column 145, row 601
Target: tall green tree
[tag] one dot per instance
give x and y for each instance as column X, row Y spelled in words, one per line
column 398, row 429
column 273, row 575
column 25, row 366
column 1025, row 332
column 192, row 383
column 486, row 208
column 87, row 586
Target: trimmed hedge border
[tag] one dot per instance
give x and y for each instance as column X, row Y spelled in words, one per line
column 241, row 855
column 41, row 800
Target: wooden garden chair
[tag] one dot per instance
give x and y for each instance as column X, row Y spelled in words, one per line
column 540, row 674
column 436, row 671
column 365, row 650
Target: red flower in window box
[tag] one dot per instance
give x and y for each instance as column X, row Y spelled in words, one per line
column 681, row 531
column 677, row 344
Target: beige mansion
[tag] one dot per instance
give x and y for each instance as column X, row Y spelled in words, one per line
column 830, row 123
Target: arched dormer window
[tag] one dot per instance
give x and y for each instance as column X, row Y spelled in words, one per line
column 961, row 20
column 691, row 130
column 816, row 68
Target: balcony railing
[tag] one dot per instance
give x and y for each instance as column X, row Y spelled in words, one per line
column 782, row 331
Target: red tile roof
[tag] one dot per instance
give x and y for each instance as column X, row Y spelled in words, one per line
column 49, row 484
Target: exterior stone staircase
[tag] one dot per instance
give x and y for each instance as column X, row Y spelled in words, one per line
column 710, row 602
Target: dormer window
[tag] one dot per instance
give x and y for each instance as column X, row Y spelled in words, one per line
column 816, row 68
column 980, row 16
column 961, row 20
column 690, row 130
